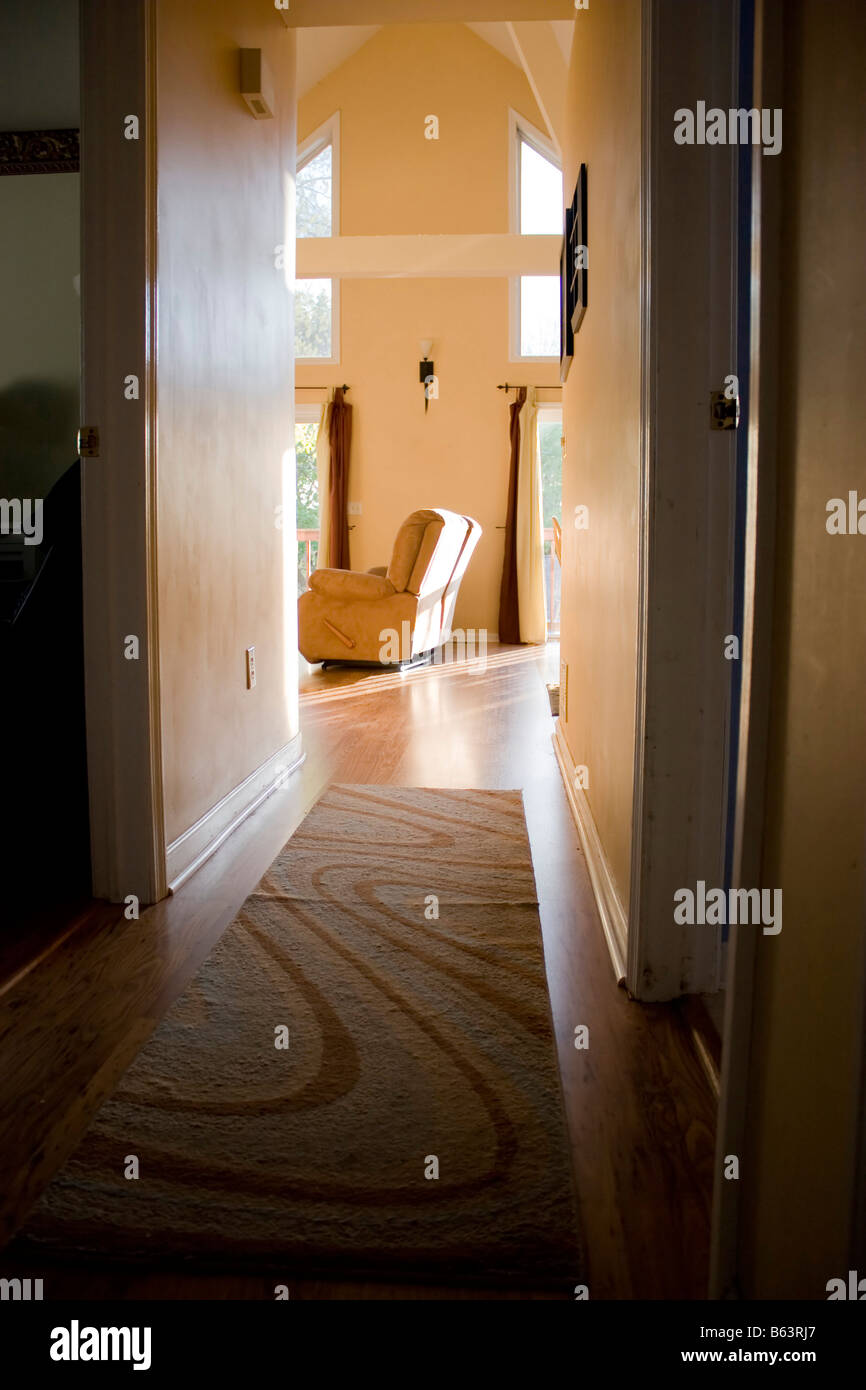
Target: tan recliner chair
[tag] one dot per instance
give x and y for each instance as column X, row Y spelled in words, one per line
column 349, row 616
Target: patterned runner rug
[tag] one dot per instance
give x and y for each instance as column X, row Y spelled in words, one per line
column 360, row 1080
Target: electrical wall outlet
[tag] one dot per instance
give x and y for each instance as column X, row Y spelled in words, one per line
column 353, row 508
column 251, row 667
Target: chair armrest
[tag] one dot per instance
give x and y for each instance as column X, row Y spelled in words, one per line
column 347, row 585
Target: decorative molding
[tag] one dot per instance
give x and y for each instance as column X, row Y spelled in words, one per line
column 39, row 152
column 191, row 849
column 610, row 909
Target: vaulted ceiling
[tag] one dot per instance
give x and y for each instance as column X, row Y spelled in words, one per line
column 499, row 36
column 322, row 50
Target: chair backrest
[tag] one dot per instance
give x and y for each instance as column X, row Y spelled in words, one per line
column 430, row 556
column 426, row 550
column 449, row 599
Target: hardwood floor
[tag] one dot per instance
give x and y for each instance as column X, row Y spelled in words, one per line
column 640, row 1110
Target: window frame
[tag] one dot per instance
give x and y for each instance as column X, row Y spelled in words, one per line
column 328, row 133
column 521, row 129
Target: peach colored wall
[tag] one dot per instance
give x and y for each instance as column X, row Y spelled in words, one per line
column 601, row 409
column 394, row 181
column 225, row 382
column 807, row 1039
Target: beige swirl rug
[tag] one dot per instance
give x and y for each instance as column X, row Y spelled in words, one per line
column 395, row 946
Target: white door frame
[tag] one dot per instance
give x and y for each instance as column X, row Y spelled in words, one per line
column 118, row 306
column 683, row 696
column 749, row 823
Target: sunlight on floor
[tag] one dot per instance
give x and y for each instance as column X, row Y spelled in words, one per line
column 347, row 683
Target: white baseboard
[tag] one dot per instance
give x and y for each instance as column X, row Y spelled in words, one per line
column 190, row 850
column 610, row 909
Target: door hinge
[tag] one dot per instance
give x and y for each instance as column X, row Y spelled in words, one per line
column 724, row 411
column 88, row 442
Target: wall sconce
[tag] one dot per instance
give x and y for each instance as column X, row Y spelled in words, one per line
column 427, row 372
column 255, row 82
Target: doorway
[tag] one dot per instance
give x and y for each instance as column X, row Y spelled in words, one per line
column 41, row 637
column 308, row 501
column 550, row 456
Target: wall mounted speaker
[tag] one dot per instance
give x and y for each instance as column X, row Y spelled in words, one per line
column 256, row 87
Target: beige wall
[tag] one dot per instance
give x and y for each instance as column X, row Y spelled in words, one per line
column 807, row 1041
column 394, row 181
column 601, row 404
column 225, row 402
column 40, row 344
column 40, row 309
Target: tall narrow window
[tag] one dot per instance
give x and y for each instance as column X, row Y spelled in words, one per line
column 317, row 214
column 537, row 181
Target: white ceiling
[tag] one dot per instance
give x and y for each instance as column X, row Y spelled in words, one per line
column 498, row 37
column 320, row 51
column 563, row 30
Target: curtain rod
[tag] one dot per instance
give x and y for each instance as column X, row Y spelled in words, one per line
column 509, row 386
column 322, row 388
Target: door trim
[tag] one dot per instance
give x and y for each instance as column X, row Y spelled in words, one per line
column 119, row 314
column 685, row 531
column 648, row 371
column 756, row 652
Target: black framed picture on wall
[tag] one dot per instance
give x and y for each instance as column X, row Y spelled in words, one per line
column 566, row 341
column 578, row 253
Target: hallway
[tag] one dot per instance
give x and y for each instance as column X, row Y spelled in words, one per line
column 641, row 1112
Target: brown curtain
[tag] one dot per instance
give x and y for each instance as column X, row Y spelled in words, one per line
column 509, row 608
column 340, row 438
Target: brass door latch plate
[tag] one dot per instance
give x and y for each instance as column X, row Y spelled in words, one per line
column 88, row 442
column 724, row 411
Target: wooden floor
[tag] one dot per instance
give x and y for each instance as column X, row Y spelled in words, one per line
column 641, row 1112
